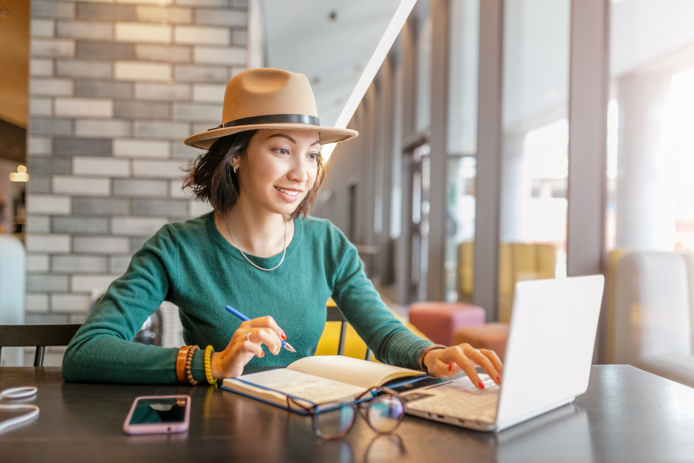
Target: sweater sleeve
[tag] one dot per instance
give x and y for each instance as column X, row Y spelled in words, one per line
column 102, row 350
column 390, row 340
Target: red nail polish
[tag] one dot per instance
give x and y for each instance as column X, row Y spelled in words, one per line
column 450, row 367
column 283, row 336
column 481, row 384
column 262, row 354
column 498, row 380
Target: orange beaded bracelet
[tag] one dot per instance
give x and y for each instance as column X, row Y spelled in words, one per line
column 189, row 364
column 181, row 364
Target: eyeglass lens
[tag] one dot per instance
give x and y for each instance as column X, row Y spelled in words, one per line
column 334, row 421
column 385, row 412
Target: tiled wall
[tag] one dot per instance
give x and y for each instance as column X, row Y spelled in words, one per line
column 115, row 88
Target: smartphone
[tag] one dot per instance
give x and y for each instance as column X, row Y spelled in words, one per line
column 162, row 414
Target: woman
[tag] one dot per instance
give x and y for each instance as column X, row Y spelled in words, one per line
column 257, row 252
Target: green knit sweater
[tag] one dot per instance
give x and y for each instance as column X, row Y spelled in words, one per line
column 191, row 265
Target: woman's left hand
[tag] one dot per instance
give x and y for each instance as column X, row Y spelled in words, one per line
column 444, row 363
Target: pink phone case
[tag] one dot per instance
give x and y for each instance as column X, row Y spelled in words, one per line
column 162, row 427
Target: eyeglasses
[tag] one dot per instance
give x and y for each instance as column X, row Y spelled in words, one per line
column 382, row 409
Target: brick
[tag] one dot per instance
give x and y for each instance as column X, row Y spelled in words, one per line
column 183, row 151
column 48, row 204
column 168, row 15
column 102, row 50
column 48, row 165
column 168, row 130
column 87, row 283
column 137, row 242
column 220, row 55
column 40, row 106
column 134, row 226
column 118, row 264
column 37, row 223
column 52, row 9
column 142, row 110
column 239, row 37
column 52, row 47
column 47, row 243
column 172, row 54
column 198, row 127
column 198, row 112
column 42, row 27
column 100, row 206
column 83, row 225
column 50, row 87
column 72, row 185
column 37, row 263
column 41, row 67
column 157, row 169
column 39, row 145
column 193, row 35
column 101, row 128
column 107, row 167
column 176, row 190
column 153, row 2
column 49, row 126
column 149, row 33
column 40, row 184
column 140, row 188
column 45, row 282
column 78, row 264
column 209, row 93
column 70, row 302
column 240, row 4
column 82, row 146
column 84, row 69
column 37, row 302
column 98, row 89
column 84, row 30
column 100, row 245
column 221, row 17
column 160, row 207
column 83, row 107
column 203, row 2
column 105, row 12
column 188, row 73
column 139, row 71
column 166, row 92
column 142, row 148
column 198, row 208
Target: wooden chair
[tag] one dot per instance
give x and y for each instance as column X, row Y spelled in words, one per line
column 36, row 335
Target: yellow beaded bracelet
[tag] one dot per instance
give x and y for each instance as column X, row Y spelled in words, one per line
column 208, row 365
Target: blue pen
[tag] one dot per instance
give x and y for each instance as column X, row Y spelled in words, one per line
column 233, row 311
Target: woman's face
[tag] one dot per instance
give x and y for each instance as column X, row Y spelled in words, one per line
column 279, row 169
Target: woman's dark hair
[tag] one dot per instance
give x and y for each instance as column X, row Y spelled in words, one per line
column 213, row 180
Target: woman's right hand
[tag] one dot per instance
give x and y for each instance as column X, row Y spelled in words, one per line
column 246, row 343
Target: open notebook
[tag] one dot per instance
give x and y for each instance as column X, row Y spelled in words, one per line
column 548, row 358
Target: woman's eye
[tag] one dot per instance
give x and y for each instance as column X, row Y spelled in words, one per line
column 281, row 151
column 313, row 156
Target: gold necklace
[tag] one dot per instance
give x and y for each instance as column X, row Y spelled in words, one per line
column 284, row 251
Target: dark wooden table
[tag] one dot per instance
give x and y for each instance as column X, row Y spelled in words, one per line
column 627, row 415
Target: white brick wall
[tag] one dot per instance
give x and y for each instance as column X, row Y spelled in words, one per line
column 150, row 33
column 66, row 184
column 167, row 92
column 85, row 30
column 41, row 106
column 47, row 243
column 138, row 148
column 101, row 244
column 41, row 67
column 37, row 302
column 38, row 145
column 37, row 263
column 158, row 14
column 83, row 107
column 70, row 302
column 38, row 224
column 220, row 55
column 202, row 35
column 209, row 93
column 157, row 169
column 48, row 204
column 84, row 69
column 137, row 70
column 102, row 128
column 52, row 47
column 221, row 17
column 42, row 27
column 137, row 226
column 101, row 166
column 86, row 283
column 54, row 87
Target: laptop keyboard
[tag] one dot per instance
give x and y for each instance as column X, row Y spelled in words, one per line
column 458, row 399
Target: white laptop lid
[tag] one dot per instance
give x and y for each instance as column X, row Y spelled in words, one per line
column 549, row 350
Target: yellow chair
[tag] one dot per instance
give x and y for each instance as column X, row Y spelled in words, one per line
column 353, row 345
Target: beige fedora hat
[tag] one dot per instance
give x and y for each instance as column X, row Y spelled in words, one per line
column 265, row 98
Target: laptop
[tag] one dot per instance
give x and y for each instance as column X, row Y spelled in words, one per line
column 549, row 353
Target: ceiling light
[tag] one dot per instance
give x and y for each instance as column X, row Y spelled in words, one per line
column 19, row 176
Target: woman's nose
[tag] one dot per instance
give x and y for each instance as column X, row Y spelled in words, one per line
column 299, row 170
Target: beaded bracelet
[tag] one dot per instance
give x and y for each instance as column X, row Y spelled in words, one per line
column 422, row 365
column 189, row 364
column 208, row 365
